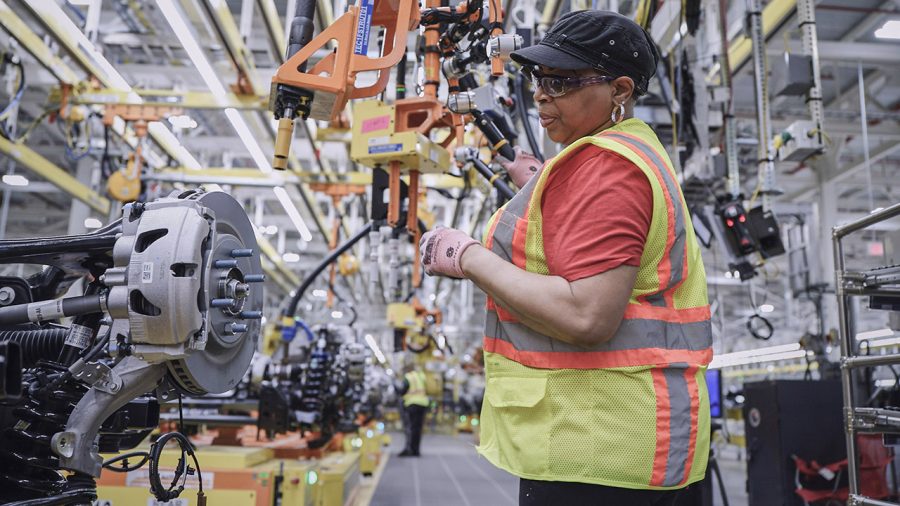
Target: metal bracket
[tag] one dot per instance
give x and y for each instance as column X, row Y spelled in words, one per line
column 877, row 420
column 97, row 375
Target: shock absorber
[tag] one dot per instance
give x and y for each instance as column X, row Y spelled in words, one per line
column 27, row 464
column 311, row 400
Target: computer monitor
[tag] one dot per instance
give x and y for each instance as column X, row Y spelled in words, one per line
column 714, row 384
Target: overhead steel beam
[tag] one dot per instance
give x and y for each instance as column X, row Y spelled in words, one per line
column 274, row 275
column 165, row 98
column 846, row 52
column 882, row 152
column 272, row 254
column 274, row 28
column 20, row 31
column 39, row 165
column 220, row 15
column 54, row 20
column 253, row 177
column 774, row 15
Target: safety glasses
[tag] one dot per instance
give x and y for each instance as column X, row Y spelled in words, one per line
column 557, row 86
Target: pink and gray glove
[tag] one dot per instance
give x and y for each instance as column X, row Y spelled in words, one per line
column 441, row 249
column 522, row 168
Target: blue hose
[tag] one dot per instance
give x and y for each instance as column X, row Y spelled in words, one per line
column 309, row 333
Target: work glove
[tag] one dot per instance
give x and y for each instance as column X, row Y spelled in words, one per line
column 441, row 249
column 522, row 168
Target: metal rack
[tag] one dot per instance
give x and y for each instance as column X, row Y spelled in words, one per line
column 849, row 284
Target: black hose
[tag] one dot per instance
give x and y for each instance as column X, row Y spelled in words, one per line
column 502, row 188
column 498, row 143
column 523, row 116
column 302, row 28
column 291, row 309
column 37, row 344
column 37, row 312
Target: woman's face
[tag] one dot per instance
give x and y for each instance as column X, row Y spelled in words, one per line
column 579, row 112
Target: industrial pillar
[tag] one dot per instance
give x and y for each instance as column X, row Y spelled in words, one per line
column 80, row 211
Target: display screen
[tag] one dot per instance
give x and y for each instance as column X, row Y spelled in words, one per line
column 714, row 383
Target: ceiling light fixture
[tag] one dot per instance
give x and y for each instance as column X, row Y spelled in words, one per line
column 15, row 180
column 758, row 355
column 890, row 30
column 91, row 223
column 290, row 257
column 874, row 334
column 209, row 76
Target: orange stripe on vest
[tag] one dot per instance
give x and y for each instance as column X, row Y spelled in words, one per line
column 596, row 359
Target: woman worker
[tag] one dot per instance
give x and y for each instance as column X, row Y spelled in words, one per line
column 597, row 331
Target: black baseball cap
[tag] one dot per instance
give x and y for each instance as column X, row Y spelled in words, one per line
column 602, row 40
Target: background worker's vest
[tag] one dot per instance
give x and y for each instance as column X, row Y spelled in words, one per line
column 632, row 412
column 416, row 393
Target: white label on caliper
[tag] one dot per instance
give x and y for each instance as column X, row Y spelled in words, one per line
column 147, row 272
column 45, row 311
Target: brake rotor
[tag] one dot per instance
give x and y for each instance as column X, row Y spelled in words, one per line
column 232, row 302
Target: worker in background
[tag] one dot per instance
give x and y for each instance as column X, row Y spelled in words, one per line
column 597, row 331
column 415, row 405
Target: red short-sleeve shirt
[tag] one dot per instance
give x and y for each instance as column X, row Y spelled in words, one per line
column 596, row 209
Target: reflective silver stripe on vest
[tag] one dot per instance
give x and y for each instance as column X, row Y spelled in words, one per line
column 679, row 424
column 492, row 325
column 633, row 334
column 676, row 254
column 504, row 229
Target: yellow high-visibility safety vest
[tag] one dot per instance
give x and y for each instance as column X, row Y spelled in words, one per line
column 632, row 412
column 416, row 394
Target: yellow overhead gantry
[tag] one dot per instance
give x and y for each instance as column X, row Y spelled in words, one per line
column 36, row 163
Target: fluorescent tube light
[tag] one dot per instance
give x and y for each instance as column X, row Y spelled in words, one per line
column 193, row 49
column 718, row 363
column 164, row 135
column 185, row 35
column 370, row 340
column 292, row 212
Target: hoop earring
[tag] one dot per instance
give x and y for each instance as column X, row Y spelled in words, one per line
column 618, row 114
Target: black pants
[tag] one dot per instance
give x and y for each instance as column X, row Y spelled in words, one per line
column 415, row 418
column 554, row 493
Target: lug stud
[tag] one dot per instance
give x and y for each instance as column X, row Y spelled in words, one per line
column 221, row 302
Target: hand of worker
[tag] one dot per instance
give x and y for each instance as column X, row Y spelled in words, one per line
column 441, row 250
column 522, row 168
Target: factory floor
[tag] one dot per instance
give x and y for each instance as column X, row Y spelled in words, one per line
column 450, row 472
